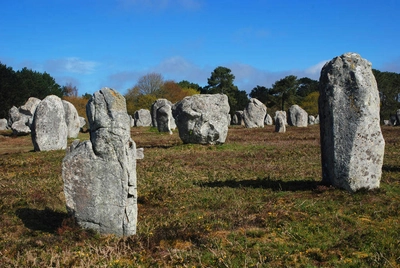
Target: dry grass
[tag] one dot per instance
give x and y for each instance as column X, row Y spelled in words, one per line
column 255, row 201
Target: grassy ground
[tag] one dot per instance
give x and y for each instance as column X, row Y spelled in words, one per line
column 255, row 201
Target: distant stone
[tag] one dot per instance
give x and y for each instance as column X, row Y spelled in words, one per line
column 3, row 124
column 316, row 120
column 82, row 122
column 165, row 119
column 100, row 183
column 386, row 122
column 280, row 121
column 20, row 128
column 71, row 119
column 311, row 120
column 298, row 117
column 203, row 119
column 29, row 107
column 254, row 114
column 268, row 120
column 49, row 129
column 157, row 105
column 352, row 145
column 13, row 116
column 237, row 118
column 142, row 118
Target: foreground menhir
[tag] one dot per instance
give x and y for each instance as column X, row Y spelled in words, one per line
column 352, row 145
column 100, row 175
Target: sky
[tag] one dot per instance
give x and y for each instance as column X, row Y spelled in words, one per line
column 112, row 43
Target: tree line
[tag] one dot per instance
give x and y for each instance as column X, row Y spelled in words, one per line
column 17, row 86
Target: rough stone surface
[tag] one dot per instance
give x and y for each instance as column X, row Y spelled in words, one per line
column 165, row 119
column 82, row 122
column 316, row 120
column 49, row 130
column 297, row 116
column 311, row 120
column 254, row 114
column 280, row 121
column 3, row 124
column 203, row 119
column 237, row 118
column 20, row 128
column 352, row 145
column 29, row 107
column 157, row 105
column 71, row 119
column 268, row 120
column 100, row 183
column 13, row 116
column 142, row 118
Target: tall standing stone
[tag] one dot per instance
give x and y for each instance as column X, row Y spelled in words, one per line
column 156, row 106
column 352, row 145
column 280, row 121
column 254, row 114
column 100, row 183
column 49, row 130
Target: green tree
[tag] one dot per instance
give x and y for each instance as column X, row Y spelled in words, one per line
column 389, row 91
column 284, row 91
column 310, row 103
column 17, row 87
column 262, row 94
column 221, row 81
column 306, row 86
column 186, row 84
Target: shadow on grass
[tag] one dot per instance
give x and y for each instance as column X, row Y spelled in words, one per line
column 390, row 168
column 45, row 220
column 266, row 183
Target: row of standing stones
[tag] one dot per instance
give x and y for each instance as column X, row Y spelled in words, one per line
column 100, row 183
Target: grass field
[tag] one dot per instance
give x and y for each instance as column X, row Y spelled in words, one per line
column 255, row 201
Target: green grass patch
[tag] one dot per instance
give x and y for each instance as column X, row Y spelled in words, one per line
column 255, row 201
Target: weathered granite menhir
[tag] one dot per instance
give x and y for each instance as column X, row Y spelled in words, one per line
column 203, row 119
column 100, row 183
column 352, row 145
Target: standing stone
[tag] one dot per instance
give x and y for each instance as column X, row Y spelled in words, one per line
column 30, row 106
column 352, row 145
column 280, row 121
column 268, row 120
column 3, row 124
column 100, row 183
column 157, row 105
column 254, row 114
column 311, row 120
column 237, row 118
column 165, row 119
column 298, row 117
column 316, row 119
column 49, row 130
column 20, row 128
column 71, row 119
column 13, row 116
column 203, row 118
column 82, row 122
column 142, row 118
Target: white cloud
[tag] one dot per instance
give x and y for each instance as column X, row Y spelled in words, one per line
column 70, row 65
column 315, row 69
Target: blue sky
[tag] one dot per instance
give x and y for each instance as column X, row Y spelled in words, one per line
column 97, row 43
